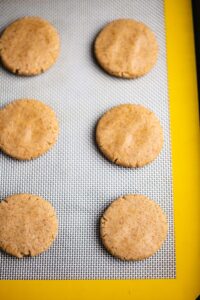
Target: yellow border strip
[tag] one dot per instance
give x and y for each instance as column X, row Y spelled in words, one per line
column 185, row 148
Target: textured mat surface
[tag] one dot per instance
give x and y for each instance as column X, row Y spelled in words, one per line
column 74, row 176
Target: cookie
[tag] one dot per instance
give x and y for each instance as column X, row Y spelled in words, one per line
column 129, row 135
column 28, row 225
column 29, row 46
column 126, row 48
column 28, row 128
column 133, row 227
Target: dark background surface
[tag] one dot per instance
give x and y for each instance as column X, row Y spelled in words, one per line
column 196, row 20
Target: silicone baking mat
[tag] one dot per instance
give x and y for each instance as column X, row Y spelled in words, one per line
column 74, row 176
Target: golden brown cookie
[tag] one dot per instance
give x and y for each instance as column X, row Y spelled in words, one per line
column 28, row 225
column 29, row 46
column 28, row 128
column 129, row 135
column 126, row 48
column 133, row 227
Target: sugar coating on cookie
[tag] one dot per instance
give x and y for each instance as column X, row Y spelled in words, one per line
column 133, row 227
column 126, row 48
column 129, row 135
column 28, row 225
column 28, row 129
column 29, row 46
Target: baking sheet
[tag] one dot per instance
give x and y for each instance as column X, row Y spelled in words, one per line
column 74, row 176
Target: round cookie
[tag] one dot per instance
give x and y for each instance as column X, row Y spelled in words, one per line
column 28, row 225
column 129, row 135
column 28, row 128
column 29, row 46
column 126, row 48
column 133, row 227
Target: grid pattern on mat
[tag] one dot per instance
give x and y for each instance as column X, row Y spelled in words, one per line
column 74, row 176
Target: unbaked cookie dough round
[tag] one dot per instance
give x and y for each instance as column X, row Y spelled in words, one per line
column 28, row 225
column 29, row 46
column 28, row 129
column 129, row 135
column 133, row 227
column 126, row 48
